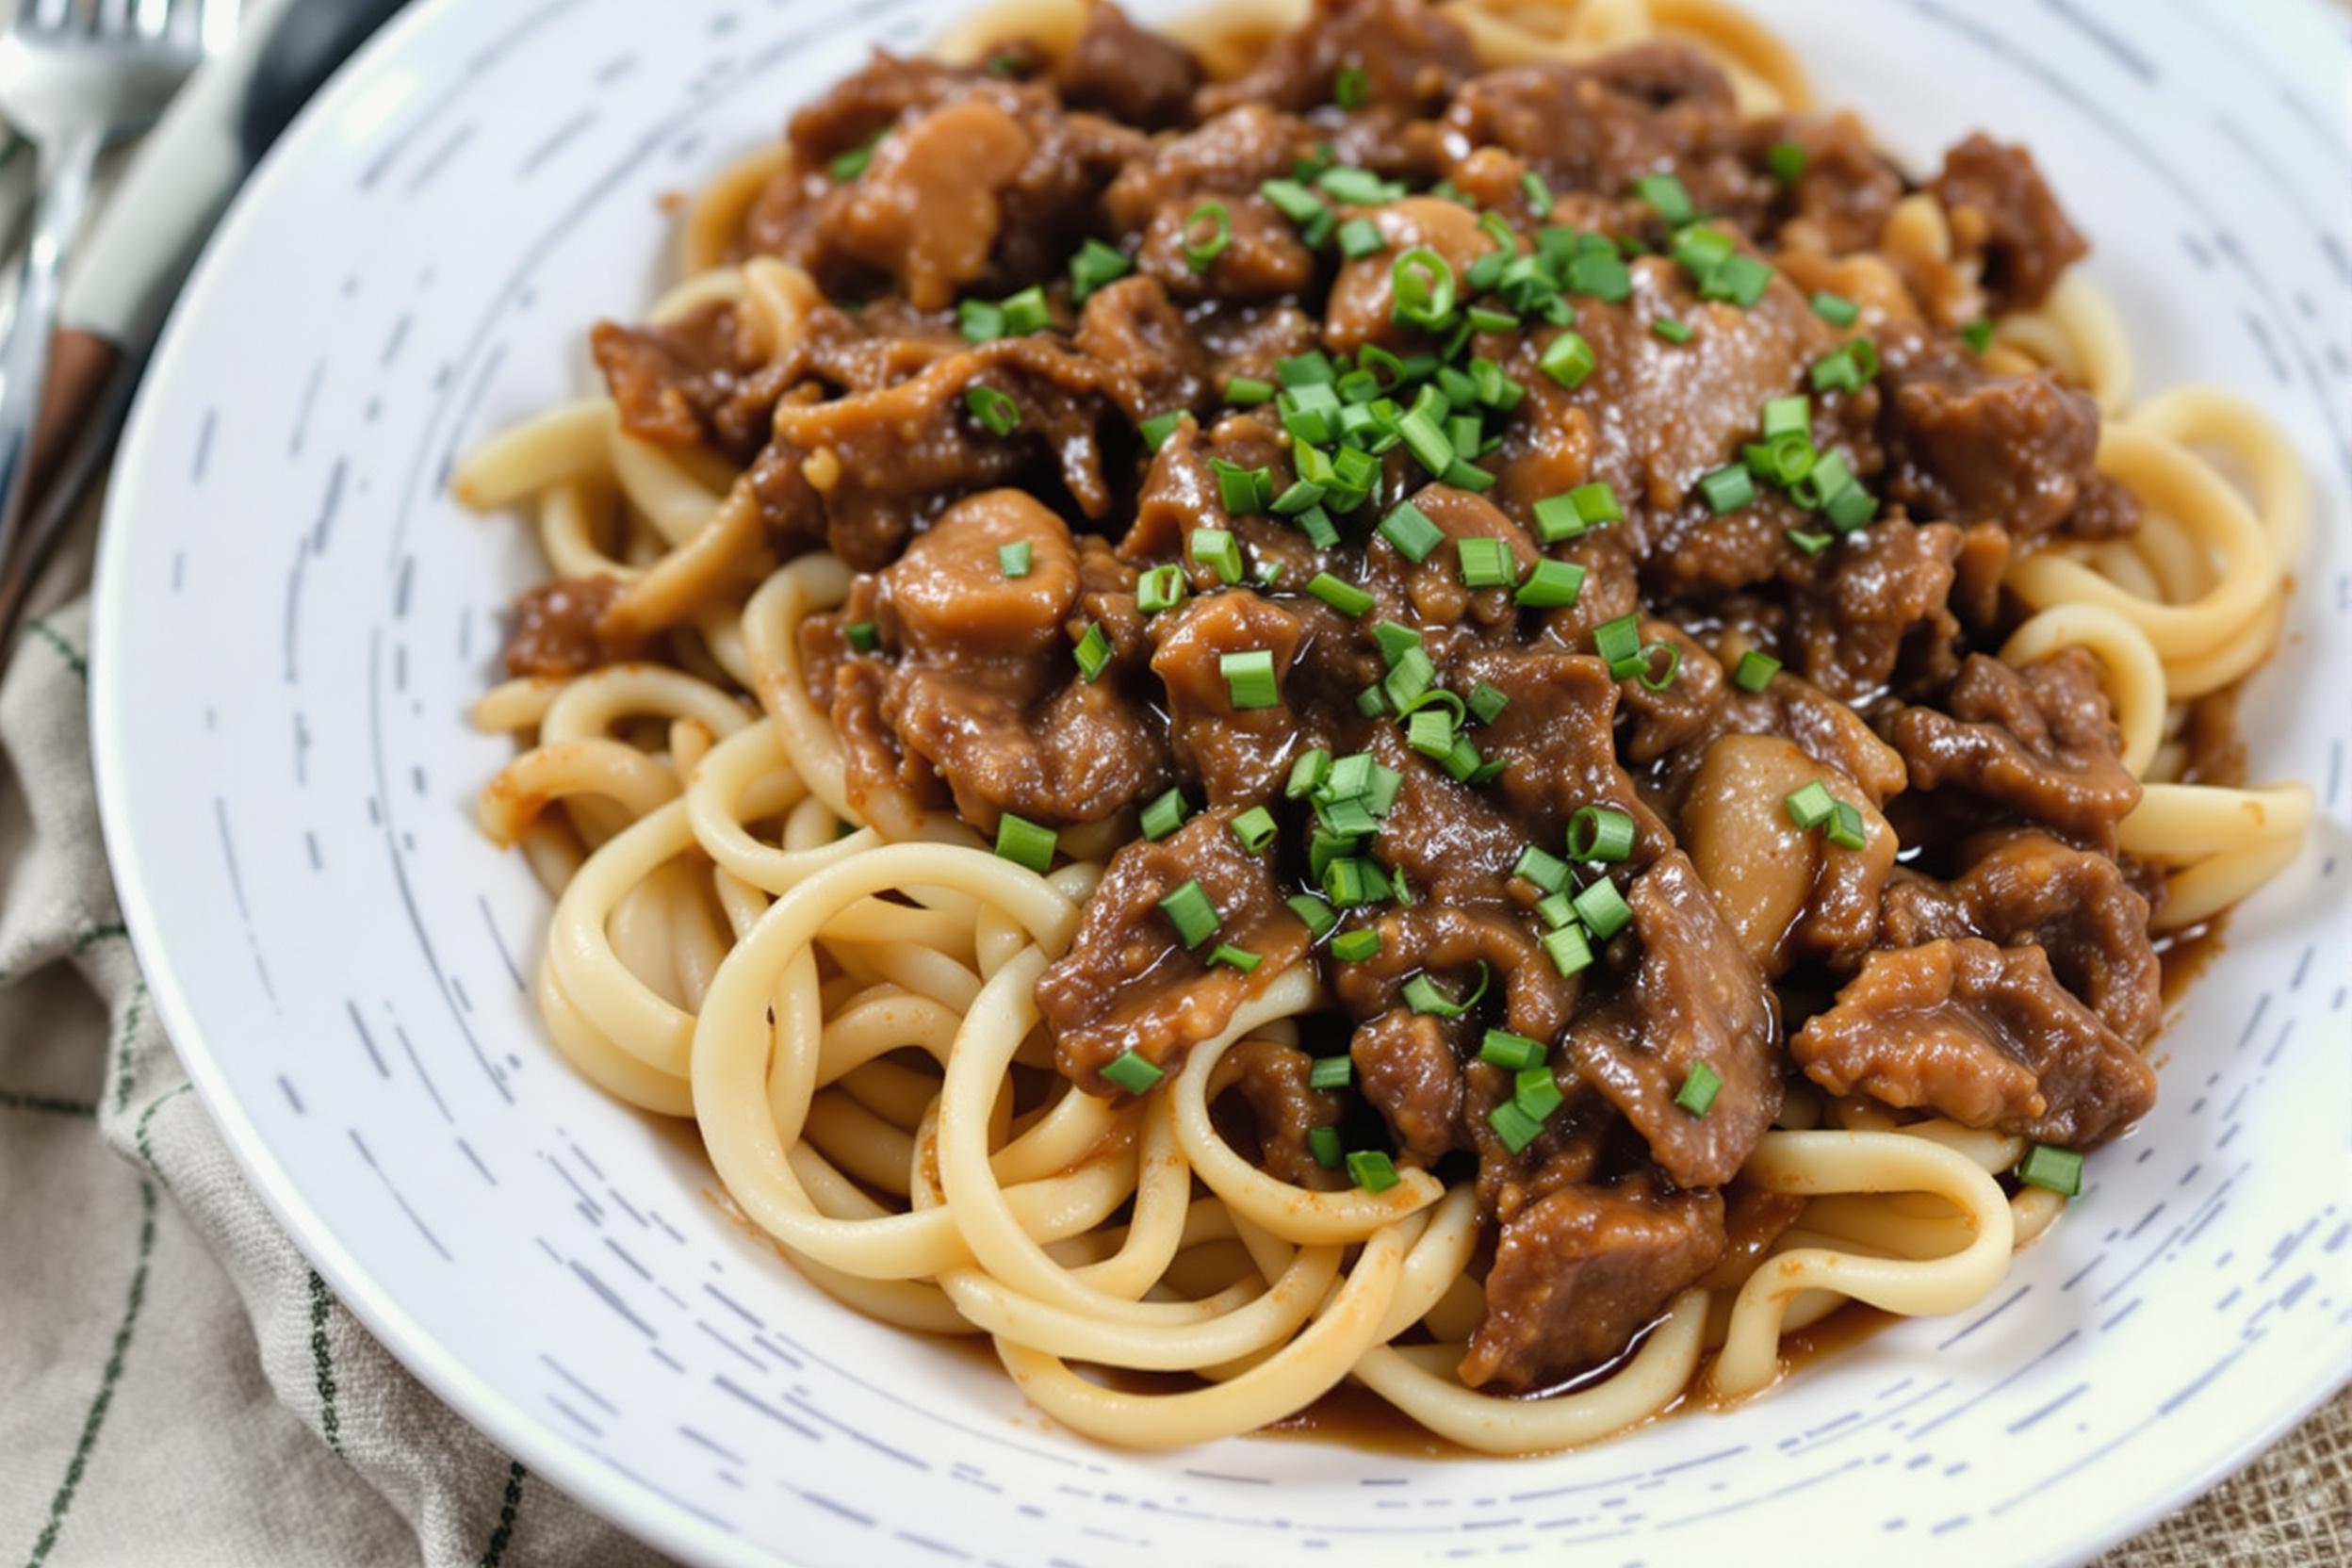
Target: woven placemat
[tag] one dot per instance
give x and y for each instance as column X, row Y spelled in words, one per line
column 2290, row 1509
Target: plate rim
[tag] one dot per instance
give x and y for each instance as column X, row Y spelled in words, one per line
column 644, row 1511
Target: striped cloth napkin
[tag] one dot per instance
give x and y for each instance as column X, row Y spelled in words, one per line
column 178, row 1386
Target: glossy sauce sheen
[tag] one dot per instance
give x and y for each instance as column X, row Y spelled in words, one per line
column 1978, row 950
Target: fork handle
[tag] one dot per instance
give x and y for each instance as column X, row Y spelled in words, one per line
column 66, row 167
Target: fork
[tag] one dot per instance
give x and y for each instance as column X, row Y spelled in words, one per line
column 75, row 76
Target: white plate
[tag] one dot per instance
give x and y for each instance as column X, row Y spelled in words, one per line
column 293, row 618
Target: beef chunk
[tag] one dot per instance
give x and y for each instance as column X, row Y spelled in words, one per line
column 1598, row 125
column 689, row 382
column 1666, row 720
column 1846, row 192
column 982, row 691
column 1129, row 72
column 1859, row 610
column 554, row 631
column 1568, row 1150
column 1128, row 983
column 1999, row 206
column 1695, row 997
column 1407, row 1069
column 1449, row 943
column 1558, row 735
column 1983, row 1035
column 1581, row 1271
column 866, row 470
column 1225, row 160
column 1238, row 755
column 1969, row 446
column 2036, row 742
column 2021, row 889
column 1412, row 57
column 1795, row 710
column 1132, row 326
column 1284, row 1106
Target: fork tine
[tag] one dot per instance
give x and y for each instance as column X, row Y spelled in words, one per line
column 154, row 17
column 51, row 13
column 113, row 18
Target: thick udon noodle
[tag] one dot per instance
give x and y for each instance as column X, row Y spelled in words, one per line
column 730, row 943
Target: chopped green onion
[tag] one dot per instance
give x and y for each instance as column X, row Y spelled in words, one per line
column 1005, row 65
column 993, row 409
column 1699, row 1088
column 1315, row 524
column 849, row 165
column 1422, row 282
column 1159, row 427
column 1426, row 442
column 1093, row 652
column 1851, row 508
column 1331, row 1072
column 1811, row 544
column 1666, row 197
column 1370, row 703
column 1556, row 911
column 2053, row 1169
column 1161, row 588
column 1358, row 186
column 1670, row 330
column 1314, row 912
column 1165, row 815
column 1025, row 843
column 1430, row 732
column 1514, row 1126
column 1413, row 674
column 1567, row 359
column 1740, row 279
column 1727, row 489
column 1394, row 639
column 1095, row 265
column 1409, row 529
column 1553, row 585
column 1360, row 238
column 1786, row 159
column 1535, row 1091
column 1425, row 996
column 1218, row 550
column 1249, row 679
column 1811, row 806
column 1255, row 829
column 1601, row 273
column 1236, row 957
column 1619, row 643
column 1013, row 560
column 1351, row 87
column 1845, row 825
column 1339, row 594
column 1201, row 248
column 1247, row 391
column 979, row 320
column 1603, row 910
column 1323, row 1144
column 1354, row 947
column 1701, row 249
column 1599, row 833
column 1243, row 491
column 1026, row 312
column 1487, row 703
column 1978, row 334
column 1789, row 415
column 1512, row 1053
column 1130, row 1071
column 1488, row 564
column 862, row 635
column 1567, row 949
column 1754, row 671
column 1836, row 309
column 1539, row 195
column 1658, row 677
column 1543, row 868
column 1189, row 910
column 1373, row 1170
column 1307, row 773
